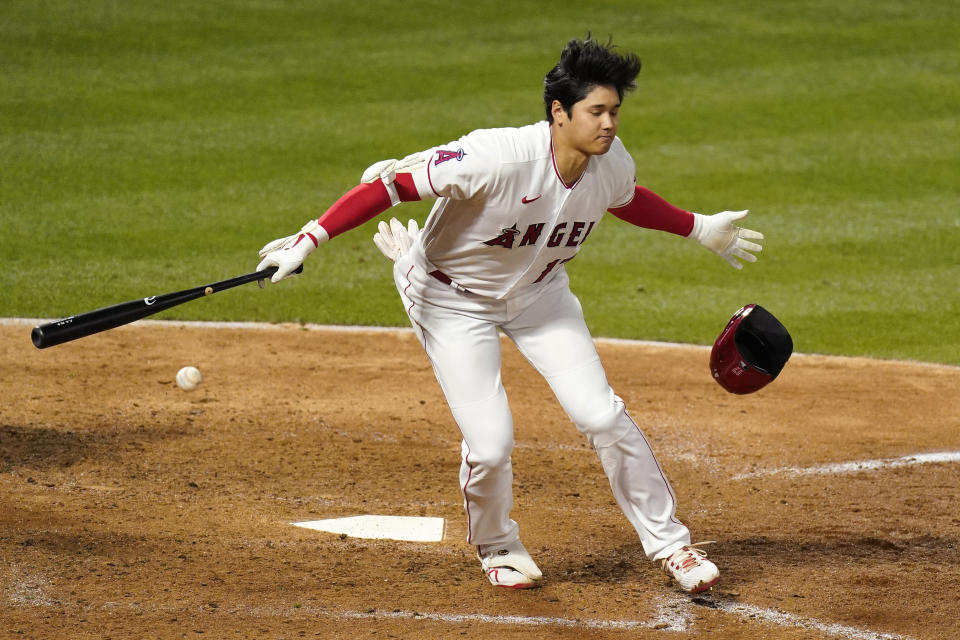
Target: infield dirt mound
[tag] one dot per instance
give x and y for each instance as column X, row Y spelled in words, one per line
column 133, row 509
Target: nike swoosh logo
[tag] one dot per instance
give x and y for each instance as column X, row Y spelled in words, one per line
column 526, row 200
column 149, row 301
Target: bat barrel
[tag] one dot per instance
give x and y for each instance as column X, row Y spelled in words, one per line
column 84, row 324
column 79, row 326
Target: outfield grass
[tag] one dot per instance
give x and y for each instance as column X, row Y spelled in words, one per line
column 147, row 147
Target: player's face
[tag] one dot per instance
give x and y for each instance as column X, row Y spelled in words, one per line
column 593, row 121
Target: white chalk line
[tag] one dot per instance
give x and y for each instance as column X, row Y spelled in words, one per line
column 666, row 619
column 857, row 466
column 670, row 621
column 292, row 326
column 676, row 616
column 782, row 619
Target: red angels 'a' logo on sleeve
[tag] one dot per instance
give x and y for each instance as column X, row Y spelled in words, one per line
column 443, row 155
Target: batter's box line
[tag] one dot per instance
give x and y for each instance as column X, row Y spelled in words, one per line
column 783, row 619
column 857, row 466
column 669, row 617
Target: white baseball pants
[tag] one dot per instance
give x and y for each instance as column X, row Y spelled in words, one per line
column 459, row 332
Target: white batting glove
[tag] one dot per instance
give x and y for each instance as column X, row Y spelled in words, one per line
column 286, row 254
column 394, row 239
column 718, row 234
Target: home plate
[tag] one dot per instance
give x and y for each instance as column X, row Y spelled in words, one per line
column 416, row 529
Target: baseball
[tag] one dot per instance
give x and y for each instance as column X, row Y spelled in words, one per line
column 189, row 378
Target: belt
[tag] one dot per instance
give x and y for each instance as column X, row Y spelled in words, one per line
column 441, row 276
column 445, row 279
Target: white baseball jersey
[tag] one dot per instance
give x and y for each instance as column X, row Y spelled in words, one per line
column 505, row 218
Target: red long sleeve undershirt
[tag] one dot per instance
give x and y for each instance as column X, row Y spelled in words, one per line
column 368, row 200
column 650, row 211
column 365, row 202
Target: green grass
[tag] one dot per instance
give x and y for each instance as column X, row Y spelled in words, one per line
column 147, row 147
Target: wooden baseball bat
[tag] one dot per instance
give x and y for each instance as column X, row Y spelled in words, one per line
column 84, row 324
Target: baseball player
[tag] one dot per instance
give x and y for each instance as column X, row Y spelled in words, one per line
column 513, row 206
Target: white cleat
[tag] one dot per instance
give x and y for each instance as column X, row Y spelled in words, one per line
column 691, row 569
column 509, row 566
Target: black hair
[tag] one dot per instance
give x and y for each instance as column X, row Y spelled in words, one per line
column 584, row 65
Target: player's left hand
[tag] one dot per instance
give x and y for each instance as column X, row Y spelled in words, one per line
column 718, row 234
column 394, row 239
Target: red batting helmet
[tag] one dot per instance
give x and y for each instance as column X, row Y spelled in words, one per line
column 751, row 351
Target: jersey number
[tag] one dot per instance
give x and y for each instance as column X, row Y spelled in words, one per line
column 550, row 266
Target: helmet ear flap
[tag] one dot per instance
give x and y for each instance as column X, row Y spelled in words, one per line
column 751, row 351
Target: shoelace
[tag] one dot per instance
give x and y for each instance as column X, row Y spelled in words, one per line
column 690, row 556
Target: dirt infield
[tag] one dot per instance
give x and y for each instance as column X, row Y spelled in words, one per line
column 133, row 509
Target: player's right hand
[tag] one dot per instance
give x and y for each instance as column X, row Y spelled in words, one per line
column 287, row 254
column 394, row 239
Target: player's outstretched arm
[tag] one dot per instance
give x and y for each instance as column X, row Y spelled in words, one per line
column 718, row 234
column 383, row 185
